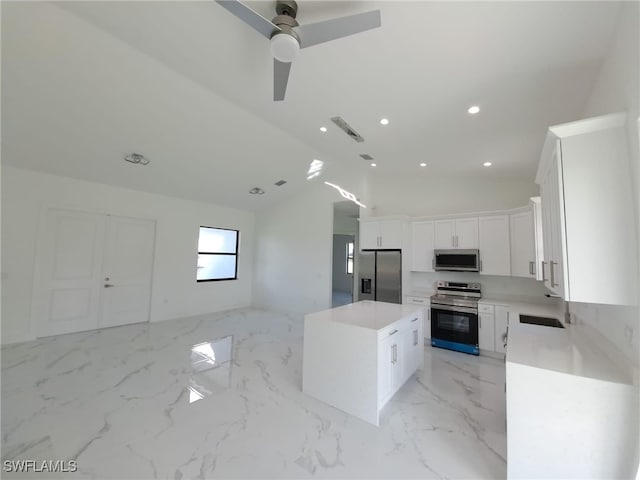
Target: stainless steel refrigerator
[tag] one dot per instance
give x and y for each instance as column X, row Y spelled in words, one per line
column 380, row 273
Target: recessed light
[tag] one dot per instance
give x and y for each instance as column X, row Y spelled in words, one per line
column 473, row 110
column 423, row 164
column 384, row 121
column 373, row 164
column 487, row 164
column 323, row 129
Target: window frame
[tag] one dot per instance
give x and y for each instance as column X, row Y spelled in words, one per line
column 235, row 273
column 350, row 257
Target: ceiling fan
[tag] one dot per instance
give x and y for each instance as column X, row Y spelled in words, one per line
column 288, row 37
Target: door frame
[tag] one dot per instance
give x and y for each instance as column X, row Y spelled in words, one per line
column 35, row 325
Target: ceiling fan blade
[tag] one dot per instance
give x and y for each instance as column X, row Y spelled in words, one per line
column 280, row 78
column 248, row 16
column 315, row 33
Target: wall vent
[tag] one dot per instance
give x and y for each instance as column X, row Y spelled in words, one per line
column 366, row 156
column 344, row 126
column 279, row 183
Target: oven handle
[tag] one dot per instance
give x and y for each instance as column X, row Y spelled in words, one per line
column 452, row 308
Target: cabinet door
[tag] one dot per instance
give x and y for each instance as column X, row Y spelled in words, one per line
column 551, row 193
column 556, row 264
column 391, row 234
column 415, row 345
column 444, row 230
column 422, row 241
column 523, row 255
column 545, row 206
column 500, row 325
column 466, row 233
column 494, row 245
column 397, row 354
column 385, row 363
column 369, row 235
column 486, row 332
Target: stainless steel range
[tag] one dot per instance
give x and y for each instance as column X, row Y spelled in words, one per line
column 454, row 316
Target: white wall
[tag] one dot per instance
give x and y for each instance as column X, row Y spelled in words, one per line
column 491, row 285
column 345, row 225
column 294, row 249
column 175, row 293
column 618, row 89
column 421, row 196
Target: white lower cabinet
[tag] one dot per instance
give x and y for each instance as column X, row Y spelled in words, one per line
column 486, row 332
column 414, row 346
column 492, row 325
column 426, row 314
column 501, row 320
column 400, row 353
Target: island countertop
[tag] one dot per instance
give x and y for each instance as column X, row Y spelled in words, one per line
column 366, row 314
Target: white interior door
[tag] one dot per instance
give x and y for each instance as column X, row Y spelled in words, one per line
column 94, row 271
column 128, row 261
column 68, row 281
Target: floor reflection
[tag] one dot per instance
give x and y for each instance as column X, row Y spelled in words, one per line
column 210, row 368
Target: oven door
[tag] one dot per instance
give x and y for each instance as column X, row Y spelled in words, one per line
column 455, row 328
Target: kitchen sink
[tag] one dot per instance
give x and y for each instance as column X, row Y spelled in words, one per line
column 544, row 321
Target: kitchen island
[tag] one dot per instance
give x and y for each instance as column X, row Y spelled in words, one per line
column 572, row 409
column 357, row 356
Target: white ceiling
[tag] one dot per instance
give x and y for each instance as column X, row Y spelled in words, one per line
column 190, row 86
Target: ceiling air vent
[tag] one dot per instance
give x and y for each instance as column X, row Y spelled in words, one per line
column 344, row 126
column 279, row 183
column 366, row 156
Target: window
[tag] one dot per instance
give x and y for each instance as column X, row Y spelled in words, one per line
column 349, row 257
column 217, row 254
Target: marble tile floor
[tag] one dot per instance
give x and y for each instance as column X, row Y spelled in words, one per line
column 219, row 396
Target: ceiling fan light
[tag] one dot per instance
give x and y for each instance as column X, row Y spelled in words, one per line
column 284, row 47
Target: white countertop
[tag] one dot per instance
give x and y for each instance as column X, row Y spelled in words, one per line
column 366, row 314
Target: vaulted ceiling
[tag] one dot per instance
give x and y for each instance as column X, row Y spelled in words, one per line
column 190, row 86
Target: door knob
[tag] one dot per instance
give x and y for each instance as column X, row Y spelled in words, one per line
column 108, row 285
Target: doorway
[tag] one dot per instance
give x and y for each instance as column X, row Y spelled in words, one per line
column 345, row 248
column 93, row 271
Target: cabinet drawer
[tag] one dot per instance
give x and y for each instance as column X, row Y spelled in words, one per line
column 395, row 329
column 419, row 301
column 484, row 308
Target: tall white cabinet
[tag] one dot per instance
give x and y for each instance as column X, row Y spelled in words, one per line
column 422, row 245
column 523, row 247
column 589, row 235
column 493, row 240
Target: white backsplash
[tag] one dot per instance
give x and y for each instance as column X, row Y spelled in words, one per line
column 618, row 324
column 490, row 285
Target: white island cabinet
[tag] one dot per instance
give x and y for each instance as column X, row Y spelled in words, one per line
column 357, row 356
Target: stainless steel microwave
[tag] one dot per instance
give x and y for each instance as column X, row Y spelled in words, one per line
column 457, row 260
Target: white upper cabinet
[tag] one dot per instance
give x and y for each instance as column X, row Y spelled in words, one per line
column 523, row 248
column 391, row 234
column 456, row 233
column 589, row 231
column 467, row 232
column 422, row 244
column 494, row 246
column 381, row 234
column 444, row 234
column 369, row 235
